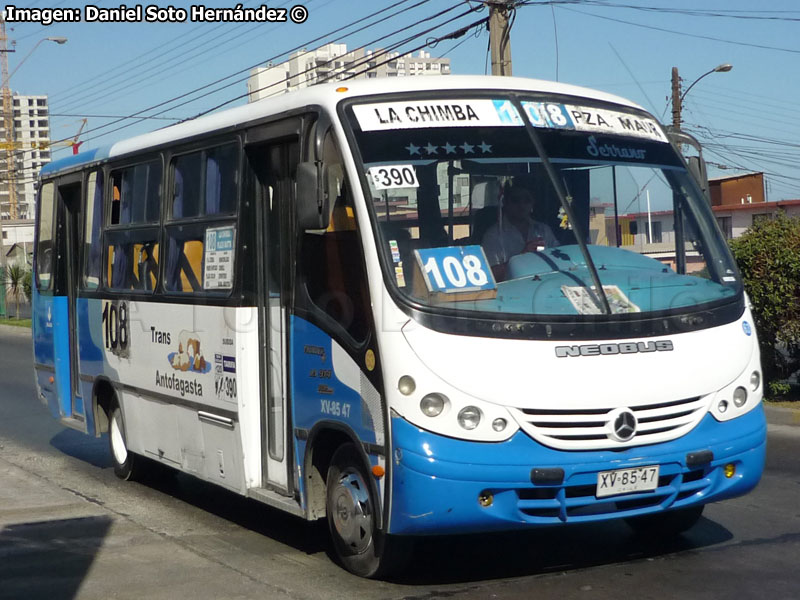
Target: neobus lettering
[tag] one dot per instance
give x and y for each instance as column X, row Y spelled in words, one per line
column 607, row 349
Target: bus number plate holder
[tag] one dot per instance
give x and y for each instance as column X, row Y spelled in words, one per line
column 627, row 481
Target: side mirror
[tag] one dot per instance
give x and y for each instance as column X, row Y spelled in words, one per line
column 695, row 162
column 697, row 167
column 313, row 204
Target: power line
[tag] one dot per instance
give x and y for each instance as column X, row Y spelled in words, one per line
column 683, row 33
column 366, row 59
column 139, row 114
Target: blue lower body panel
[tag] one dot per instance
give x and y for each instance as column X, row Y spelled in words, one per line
column 437, row 481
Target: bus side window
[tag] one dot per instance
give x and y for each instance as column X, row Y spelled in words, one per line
column 132, row 238
column 92, row 248
column 205, row 186
column 45, row 246
column 332, row 262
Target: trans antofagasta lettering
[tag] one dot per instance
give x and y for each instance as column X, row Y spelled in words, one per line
column 427, row 113
column 171, row 382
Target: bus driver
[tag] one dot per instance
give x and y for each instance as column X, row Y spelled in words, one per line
column 516, row 232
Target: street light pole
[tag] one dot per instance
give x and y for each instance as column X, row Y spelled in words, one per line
column 677, row 96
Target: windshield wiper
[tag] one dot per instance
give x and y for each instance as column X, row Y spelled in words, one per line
column 565, row 204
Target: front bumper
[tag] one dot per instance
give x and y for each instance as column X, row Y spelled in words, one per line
column 437, row 481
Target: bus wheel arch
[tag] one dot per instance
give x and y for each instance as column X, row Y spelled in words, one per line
column 103, row 396
column 322, row 444
column 111, row 420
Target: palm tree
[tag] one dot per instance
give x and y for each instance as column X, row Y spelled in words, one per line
column 14, row 280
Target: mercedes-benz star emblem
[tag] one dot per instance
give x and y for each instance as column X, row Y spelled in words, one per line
column 623, row 425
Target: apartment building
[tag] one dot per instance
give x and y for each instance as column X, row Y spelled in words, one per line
column 29, row 146
column 333, row 62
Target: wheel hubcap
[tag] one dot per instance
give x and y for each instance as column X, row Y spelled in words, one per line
column 352, row 513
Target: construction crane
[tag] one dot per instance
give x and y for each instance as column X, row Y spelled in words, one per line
column 75, row 143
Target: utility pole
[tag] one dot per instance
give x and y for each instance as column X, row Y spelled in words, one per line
column 8, row 126
column 8, row 123
column 500, row 35
column 676, row 100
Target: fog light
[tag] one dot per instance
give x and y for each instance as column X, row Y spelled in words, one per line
column 485, row 499
column 722, row 406
column 470, row 417
column 730, row 470
column 499, row 424
column 739, row 397
column 406, row 385
column 755, row 380
column 432, row 405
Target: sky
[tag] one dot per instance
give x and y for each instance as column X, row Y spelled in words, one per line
column 745, row 118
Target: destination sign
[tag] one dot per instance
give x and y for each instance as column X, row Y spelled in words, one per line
column 419, row 114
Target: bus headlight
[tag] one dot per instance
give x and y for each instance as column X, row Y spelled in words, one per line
column 499, row 424
column 406, row 385
column 755, row 380
column 739, row 397
column 432, row 405
column 470, row 417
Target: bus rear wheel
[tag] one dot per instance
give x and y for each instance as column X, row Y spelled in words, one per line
column 666, row 524
column 126, row 463
column 359, row 544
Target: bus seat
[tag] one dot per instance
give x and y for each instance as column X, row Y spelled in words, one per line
column 192, row 266
column 147, row 265
column 482, row 220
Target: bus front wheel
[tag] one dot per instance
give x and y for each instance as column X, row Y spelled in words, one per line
column 126, row 465
column 360, row 546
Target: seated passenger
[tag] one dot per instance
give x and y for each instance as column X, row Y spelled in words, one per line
column 516, row 233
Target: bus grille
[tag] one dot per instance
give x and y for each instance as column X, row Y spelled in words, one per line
column 577, row 502
column 592, row 428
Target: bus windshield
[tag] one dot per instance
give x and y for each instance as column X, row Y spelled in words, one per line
column 471, row 217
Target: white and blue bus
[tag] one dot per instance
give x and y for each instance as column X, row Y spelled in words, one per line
column 320, row 301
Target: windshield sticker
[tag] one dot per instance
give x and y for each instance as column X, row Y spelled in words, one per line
column 395, row 251
column 392, row 177
column 399, row 275
column 455, row 270
column 587, row 303
column 421, row 114
column 581, row 118
column 218, row 258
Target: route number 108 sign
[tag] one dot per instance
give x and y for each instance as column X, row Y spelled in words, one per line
column 455, row 269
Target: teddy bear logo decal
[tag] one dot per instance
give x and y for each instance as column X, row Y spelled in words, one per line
column 189, row 356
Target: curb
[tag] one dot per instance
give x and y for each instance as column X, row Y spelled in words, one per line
column 13, row 329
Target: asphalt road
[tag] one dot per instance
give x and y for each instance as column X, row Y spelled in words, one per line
column 70, row 529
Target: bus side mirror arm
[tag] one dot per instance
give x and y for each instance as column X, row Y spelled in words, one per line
column 313, row 204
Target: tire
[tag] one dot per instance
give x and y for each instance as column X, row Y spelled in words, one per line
column 358, row 543
column 126, row 464
column 666, row 524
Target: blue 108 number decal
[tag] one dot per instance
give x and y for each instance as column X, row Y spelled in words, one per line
column 455, row 269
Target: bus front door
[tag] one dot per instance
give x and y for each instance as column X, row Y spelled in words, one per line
column 272, row 164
